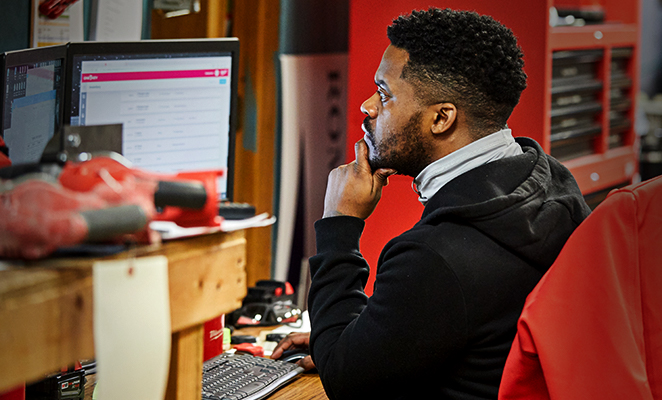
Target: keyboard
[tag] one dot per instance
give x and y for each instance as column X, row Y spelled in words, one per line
column 244, row 377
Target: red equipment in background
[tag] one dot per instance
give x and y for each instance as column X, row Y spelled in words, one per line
column 188, row 198
column 4, row 160
column 39, row 215
column 96, row 201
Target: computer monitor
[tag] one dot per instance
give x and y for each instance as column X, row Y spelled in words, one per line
column 176, row 100
column 32, row 94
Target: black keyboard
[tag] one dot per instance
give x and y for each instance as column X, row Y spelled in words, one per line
column 244, row 377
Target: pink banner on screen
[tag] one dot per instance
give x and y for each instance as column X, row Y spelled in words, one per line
column 144, row 75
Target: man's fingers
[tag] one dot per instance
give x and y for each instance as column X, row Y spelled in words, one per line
column 361, row 153
column 382, row 174
column 280, row 347
column 283, row 345
column 291, row 340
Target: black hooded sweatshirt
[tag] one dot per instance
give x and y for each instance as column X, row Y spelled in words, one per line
column 448, row 292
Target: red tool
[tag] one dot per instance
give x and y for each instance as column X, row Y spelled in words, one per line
column 249, row 348
column 39, row 215
column 188, row 198
column 98, row 200
column 54, row 8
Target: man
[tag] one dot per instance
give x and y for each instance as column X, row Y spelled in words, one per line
column 449, row 291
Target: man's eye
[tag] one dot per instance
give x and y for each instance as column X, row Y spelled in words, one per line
column 382, row 96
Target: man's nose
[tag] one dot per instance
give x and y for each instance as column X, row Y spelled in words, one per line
column 369, row 107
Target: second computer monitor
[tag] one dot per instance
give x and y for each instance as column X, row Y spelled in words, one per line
column 176, row 100
column 32, row 92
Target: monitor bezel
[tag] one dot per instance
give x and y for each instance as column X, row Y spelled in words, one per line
column 33, row 55
column 165, row 46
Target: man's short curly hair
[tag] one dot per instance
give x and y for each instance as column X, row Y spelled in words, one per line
column 463, row 58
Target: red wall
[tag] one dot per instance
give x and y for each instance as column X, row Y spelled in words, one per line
column 399, row 208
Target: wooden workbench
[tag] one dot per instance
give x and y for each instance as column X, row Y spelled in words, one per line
column 46, row 316
column 306, row 386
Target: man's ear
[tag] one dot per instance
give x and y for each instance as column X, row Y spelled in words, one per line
column 444, row 117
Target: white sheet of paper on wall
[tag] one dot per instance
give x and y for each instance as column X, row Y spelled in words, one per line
column 116, row 20
column 132, row 330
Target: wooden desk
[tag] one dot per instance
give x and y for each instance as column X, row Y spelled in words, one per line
column 307, row 386
column 46, row 308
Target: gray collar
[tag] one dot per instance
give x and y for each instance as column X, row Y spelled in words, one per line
column 490, row 148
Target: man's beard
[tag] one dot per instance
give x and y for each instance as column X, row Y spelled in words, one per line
column 405, row 151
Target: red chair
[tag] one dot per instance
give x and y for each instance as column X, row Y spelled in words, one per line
column 592, row 327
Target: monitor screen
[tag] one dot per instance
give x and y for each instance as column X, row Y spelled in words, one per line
column 33, row 84
column 175, row 99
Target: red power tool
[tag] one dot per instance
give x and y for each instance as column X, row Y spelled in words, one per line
column 98, row 200
column 188, row 198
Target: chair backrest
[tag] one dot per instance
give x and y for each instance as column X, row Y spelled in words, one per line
column 592, row 327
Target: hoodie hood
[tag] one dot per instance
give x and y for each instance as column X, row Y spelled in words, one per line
column 526, row 203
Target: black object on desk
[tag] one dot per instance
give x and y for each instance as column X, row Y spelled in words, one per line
column 238, row 339
column 275, row 337
column 294, row 355
column 268, row 303
column 229, row 210
column 63, row 386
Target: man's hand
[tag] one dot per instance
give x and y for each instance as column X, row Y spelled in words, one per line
column 295, row 340
column 353, row 189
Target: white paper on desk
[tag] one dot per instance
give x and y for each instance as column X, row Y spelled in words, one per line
column 132, row 328
column 116, row 20
column 170, row 230
column 229, row 225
